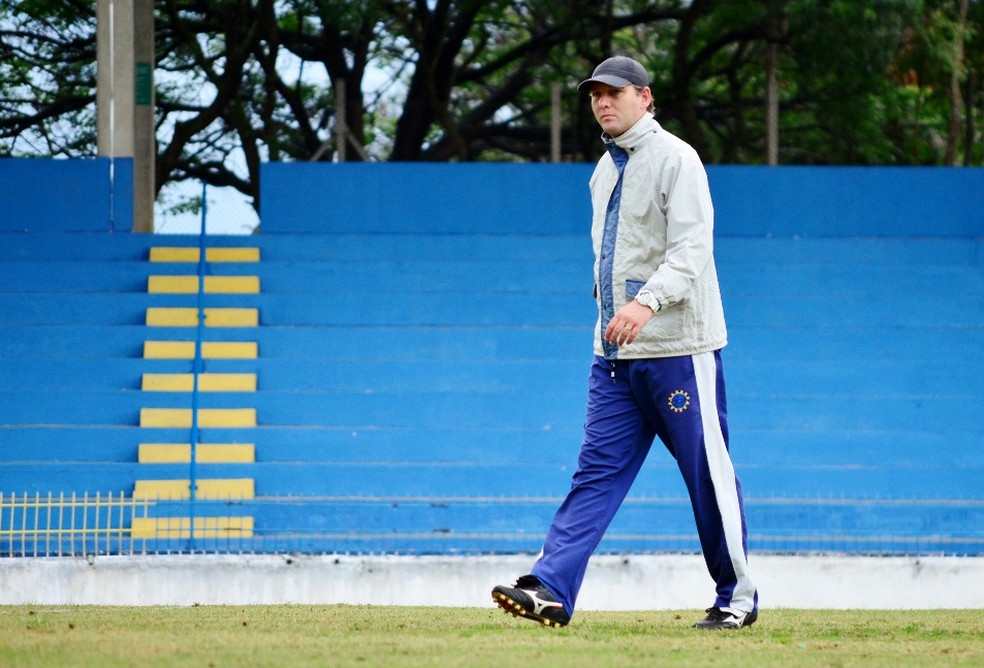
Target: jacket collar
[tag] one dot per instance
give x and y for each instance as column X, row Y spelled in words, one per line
column 634, row 137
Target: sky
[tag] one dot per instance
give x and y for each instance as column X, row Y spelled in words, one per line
column 227, row 211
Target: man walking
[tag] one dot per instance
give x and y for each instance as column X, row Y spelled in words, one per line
column 657, row 368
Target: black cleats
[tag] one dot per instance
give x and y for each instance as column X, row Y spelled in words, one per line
column 726, row 618
column 530, row 599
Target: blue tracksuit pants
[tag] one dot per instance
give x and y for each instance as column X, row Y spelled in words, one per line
column 630, row 402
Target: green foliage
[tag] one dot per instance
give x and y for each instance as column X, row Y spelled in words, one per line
column 843, row 51
column 47, row 79
column 239, row 82
column 939, row 47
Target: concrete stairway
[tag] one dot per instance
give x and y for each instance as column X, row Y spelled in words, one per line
column 425, row 392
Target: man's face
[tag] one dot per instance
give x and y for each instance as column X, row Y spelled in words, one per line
column 618, row 109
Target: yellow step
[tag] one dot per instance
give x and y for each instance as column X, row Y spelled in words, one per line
column 225, row 285
column 207, row 382
column 180, row 527
column 171, row 254
column 214, row 317
column 185, row 350
column 205, row 453
column 207, row 417
column 208, row 488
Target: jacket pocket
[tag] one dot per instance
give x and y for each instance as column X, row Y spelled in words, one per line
column 632, row 288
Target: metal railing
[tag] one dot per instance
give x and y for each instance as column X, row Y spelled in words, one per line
column 58, row 525
column 55, row 525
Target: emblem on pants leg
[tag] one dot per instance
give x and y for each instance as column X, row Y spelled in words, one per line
column 679, row 401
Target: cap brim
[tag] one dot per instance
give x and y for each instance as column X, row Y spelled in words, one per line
column 607, row 79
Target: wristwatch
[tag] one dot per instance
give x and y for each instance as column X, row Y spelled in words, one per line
column 647, row 298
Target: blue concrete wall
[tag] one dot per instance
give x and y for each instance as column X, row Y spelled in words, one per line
column 467, row 198
column 553, row 199
column 848, row 201
column 495, row 198
column 66, row 195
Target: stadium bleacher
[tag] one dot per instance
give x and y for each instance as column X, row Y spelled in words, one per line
column 421, row 389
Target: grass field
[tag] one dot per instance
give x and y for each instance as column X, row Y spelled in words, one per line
column 216, row 636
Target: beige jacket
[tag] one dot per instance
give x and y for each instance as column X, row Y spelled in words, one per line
column 664, row 244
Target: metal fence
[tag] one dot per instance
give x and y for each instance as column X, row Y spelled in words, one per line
column 49, row 525
column 57, row 525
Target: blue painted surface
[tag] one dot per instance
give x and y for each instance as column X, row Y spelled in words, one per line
column 752, row 447
column 493, row 198
column 40, row 195
column 890, row 379
column 459, row 198
column 465, row 478
column 832, row 410
column 847, row 201
column 515, row 199
column 407, row 374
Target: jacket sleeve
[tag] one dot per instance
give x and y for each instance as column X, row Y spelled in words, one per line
column 685, row 200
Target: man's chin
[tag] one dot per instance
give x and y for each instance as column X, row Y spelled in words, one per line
column 613, row 128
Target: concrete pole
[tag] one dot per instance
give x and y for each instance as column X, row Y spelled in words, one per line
column 144, row 147
column 125, row 101
column 114, row 78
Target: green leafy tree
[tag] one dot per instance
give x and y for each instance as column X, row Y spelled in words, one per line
column 47, row 78
column 939, row 72
column 240, row 82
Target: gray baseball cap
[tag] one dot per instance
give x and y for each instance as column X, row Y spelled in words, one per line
column 618, row 71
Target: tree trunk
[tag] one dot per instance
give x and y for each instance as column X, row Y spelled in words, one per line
column 771, row 104
column 773, row 35
column 686, row 107
column 953, row 134
column 970, row 128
